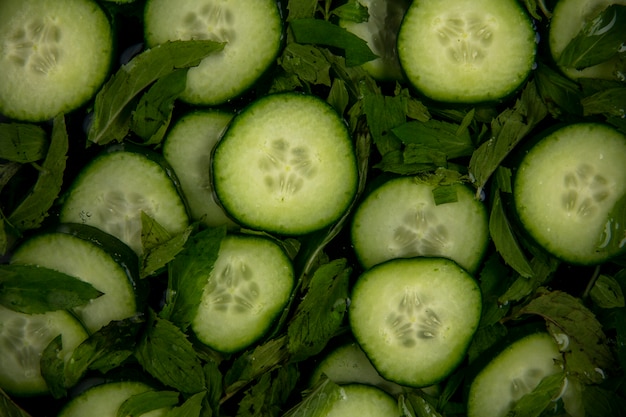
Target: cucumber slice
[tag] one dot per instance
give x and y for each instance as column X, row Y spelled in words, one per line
column 106, row 399
column 463, row 51
column 400, row 219
column 88, row 262
column 252, row 32
column 415, row 317
column 363, row 401
column 516, row 371
column 54, row 56
column 111, row 192
column 380, row 32
column 286, row 164
column 248, row 287
column 570, row 191
column 188, row 149
column 23, row 338
column 568, row 18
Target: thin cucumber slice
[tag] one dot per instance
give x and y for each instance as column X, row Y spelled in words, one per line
column 188, row 148
column 380, row 32
column 516, row 371
column 463, row 51
column 54, row 56
column 106, row 399
column 400, row 219
column 23, row 338
column 286, row 164
column 248, row 287
column 568, row 18
column 415, row 317
column 570, row 191
column 88, row 262
column 116, row 187
column 363, row 401
column 252, row 32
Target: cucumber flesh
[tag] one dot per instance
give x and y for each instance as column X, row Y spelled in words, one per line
column 86, row 261
column 248, row 287
column 54, row 56
column 466, row 51
column 514, row 372
column 187, row 149
column 400, row 219
column 286, row 164
column 252, row 32
column 115, row 188
column 415, row 317
column 23, row 338
column 570, row 190
column 363, row 401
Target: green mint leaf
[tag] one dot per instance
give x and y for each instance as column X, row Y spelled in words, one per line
column 153, row 114
column 215, row 385
column 321, row 32
column 543, row 267
column 34, row 208
column 8, row 408
column 52, row 367
column 159, row 246
column 508, row 129
column 384, row 113
column 352, row 11
column 559, row 93
column 307, row 63
column 418, row 406
column 539, row 399
column 599, row 39
column 145, row 402
column 610, row 102
column 32, row 289
column 450, row 139
column 22, row 142
column 607, row 293
column 267, row 396
column 587, row 353
column 299, row 9
column 320, row 314
column 166, row 354
column 339, row 97
column 601, row 402
column 317, row 401
column 112, row 115
column 188, row 273
column 192, row 407
column 504, row 239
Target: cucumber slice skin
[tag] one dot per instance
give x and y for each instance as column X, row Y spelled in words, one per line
column 23, row 338
column 107, row 398
column 188, row 148
column 567, row 189
column 253, row 32
column 116, row 186
column 363, row 401
column 56, row 55
column 568, row 18
column 249, row 285
column 466, row 51
column 88, row 262
column 400, row 219
column 415, row 317
column 513, row 372
column 286, row 165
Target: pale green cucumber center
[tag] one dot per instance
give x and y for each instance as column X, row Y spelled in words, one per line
column 35, row 46
column 465, row 38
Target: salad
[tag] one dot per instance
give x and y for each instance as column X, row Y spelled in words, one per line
column 312, row 207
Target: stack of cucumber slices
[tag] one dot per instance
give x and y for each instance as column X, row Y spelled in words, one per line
column 312, row 208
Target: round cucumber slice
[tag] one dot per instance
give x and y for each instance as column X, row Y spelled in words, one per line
column 400, row 219
column 54, row 56
column 415, row 317
column 248, row 287
column 23, row 338
column 466, row 52
column 286, row 164
column 363, row 401
column 570, row 192
column 516, row 371
column 90, row 263
column 187, row 148
column 568, row 18
column 252, row 32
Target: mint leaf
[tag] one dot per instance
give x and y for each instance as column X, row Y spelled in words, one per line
column 607, row 293
column 610, row 102
column 145, row 402
column 192, row 407
column 384, row 113
column 317, row 401
column 321, row 32
column 540, row 398
column 34, row 208
column 436, row 136
column 307, row 63
column 559, row 93
column 8, row 408
column 599, row 39
column 301, row 8
column 52, row 368
column 32, row 289
column 267, row 396
column 112, row 114
column 159, row 246
column 22, row 142
column 352, row 11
